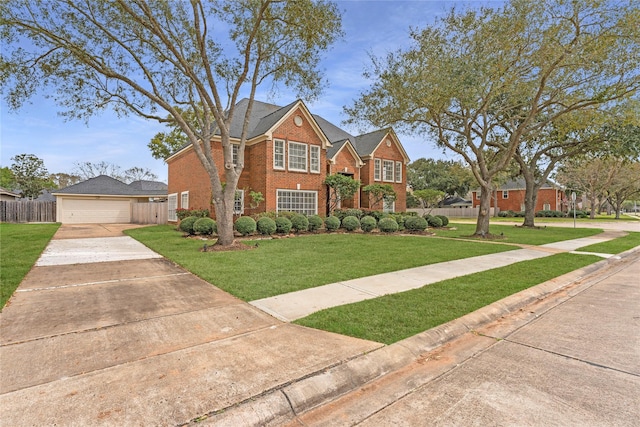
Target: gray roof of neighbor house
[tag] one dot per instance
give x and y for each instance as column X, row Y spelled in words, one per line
column 107, row 186
column 519, row 184
column 264, row 116
column 144, row 185
column 9, row 193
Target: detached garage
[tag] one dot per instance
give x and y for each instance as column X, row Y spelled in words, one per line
column 104, row 200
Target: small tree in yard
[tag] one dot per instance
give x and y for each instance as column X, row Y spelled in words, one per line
column 379, row 193
column 341, row 187
column 30, row 175
column 429, row 199
column 160, row 60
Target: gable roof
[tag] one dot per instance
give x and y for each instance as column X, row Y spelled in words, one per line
column 144, row 185
column 346, row 144
column 104, row 185
column 519, row 184
column 8, row 193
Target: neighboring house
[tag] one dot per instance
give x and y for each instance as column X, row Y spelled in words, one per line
column 511, row 196
column 104, row 200
column 289, row 153
column 455, row 202
column 6, row 195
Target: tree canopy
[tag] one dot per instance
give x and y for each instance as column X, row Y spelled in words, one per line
column 480, row 82
column 30, row 175
column 160, row 59
column 448, row 176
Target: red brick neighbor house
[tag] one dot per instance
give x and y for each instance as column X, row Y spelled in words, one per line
column 510, row 196
column 289, row 153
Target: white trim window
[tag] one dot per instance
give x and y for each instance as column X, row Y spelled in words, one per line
column 172, row 205
column 389, row 204
column 546, row 207
column 238, row 202
column 304, row 202
column 377, row 168
column 234, row 154
column 398, row 171
column 278, row 154
column 184, row 200
column 314, row 159
column 387, row 168
column 297, row 157
column 505, row 194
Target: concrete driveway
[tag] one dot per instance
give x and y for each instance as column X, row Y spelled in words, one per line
column 103, row 331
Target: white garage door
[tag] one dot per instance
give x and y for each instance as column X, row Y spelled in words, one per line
column 77, row 211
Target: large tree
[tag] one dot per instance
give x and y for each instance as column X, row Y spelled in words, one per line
column 159, row 58
column 481, row 82
column 30, row 175
column 450, row 177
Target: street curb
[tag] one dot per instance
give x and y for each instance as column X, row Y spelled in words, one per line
column 283, row 404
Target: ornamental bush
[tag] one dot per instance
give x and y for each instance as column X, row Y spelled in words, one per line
column 445, row 220
column 245, row 225
column 283, row 225
column 388, row 225
column 299, row 223
column 331, row 223
column 205, row 226
column 351, row 223
column 186, row 224
column 415, row 223
column 434, row 221
column 266, row 226
column 315, row 223
column 368, row 223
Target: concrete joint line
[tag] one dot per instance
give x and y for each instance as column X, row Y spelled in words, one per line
column 51, row 288
column 359, row 289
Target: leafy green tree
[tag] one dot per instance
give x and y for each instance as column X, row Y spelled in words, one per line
column 479, row 83
column 429, row 198
column 7, row 180
column 624, row 186
column 450, row 177
column 30, row 175
column 341, row 187
column 149, row 58
column 378, row 193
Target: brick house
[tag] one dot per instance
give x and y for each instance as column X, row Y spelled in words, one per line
column 289, row 153
column 511, row 196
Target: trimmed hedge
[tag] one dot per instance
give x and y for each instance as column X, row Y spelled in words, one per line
column 283, row 225
column 388, row 225
column 205, row 226
column 331, row 223
column 434, row 221
column 368, row 223
column 315, row 223
column 415, row 223
column 245, row 225
column 351, row 223
column 299, row 223
column 445, row 220
column 186, row 224
column 266, row 226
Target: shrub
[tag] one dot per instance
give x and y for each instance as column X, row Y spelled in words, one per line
column 186, row 224
column 355, row 212
column 266, row 226
column 444, row 219
column 378, row 215
column 368, row 223
column 415, row 223
column 332, row 223
column 283, row 225
column 299, row 223
column 388, row 225
column 185, row 213
column 399, row 220
column 245, row 225
column 205, row 226
column 350, row 223
column 287, row 214
column 579, row 214
column 315, row 223
column 434, row 221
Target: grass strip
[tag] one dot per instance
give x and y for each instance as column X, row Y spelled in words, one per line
column 391, row 318
column 521, row 235
column 280, row 266
column 20, row 247
column 615, row 246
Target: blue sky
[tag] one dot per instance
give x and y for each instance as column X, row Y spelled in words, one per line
column 370, row 27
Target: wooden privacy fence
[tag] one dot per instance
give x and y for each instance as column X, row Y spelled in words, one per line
column 27, row 211
column 149, row 213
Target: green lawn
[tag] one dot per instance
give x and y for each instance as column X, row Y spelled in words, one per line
column 20, row 247
column 391, row 318
column 513, row 234
column 285, row 265
column 615, row 246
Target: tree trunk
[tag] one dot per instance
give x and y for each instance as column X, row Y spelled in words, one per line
column 482, row 226
column 530, row 200
column 224, row 216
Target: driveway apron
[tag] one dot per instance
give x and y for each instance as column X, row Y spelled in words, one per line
column 103, row 331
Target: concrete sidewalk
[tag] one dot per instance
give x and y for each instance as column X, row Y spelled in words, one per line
column 296, row 305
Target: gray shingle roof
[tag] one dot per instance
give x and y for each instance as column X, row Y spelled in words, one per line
column 150, row 186
column 107, row 186
column 366, row 144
